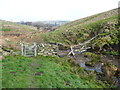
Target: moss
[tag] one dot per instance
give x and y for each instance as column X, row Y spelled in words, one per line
column 110, row 53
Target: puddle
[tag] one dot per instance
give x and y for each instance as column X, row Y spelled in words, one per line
column 97, row 68
column 12, row 72
column 38, row 73
column 68, row 83
column 36, row 65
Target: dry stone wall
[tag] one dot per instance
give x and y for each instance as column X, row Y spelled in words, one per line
column 7, row 52
column 43, row 49
column 47, row 49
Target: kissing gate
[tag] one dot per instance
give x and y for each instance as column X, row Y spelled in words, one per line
column 29, row 49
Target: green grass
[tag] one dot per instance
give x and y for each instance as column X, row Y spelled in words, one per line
column 0, row 74
column 6, row 29
column 19, row 72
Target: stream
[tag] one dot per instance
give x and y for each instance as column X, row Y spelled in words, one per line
column 81, row 60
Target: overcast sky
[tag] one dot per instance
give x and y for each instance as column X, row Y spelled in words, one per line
column 37, row 10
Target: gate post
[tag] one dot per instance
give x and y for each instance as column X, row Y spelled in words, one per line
column 35, row 49
column 22, row 49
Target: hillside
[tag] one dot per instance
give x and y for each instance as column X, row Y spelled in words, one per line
column 92, row 63
column 13, row 34
column 92, row 18
column 105, row 25
column 99, row 33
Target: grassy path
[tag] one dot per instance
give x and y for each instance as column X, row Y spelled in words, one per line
column 33, row 81
column 44, row 72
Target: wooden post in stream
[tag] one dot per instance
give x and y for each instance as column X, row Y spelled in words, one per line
column 71, row 52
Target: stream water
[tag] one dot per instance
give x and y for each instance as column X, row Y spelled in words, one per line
column 81, row 60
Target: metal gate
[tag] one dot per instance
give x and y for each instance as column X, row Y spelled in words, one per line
column 29, row 49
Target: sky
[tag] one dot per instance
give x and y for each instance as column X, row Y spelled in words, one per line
column 42, row 10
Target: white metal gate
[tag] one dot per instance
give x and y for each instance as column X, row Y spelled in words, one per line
column 29, row 49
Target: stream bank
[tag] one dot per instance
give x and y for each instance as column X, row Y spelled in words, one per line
column 106, row 69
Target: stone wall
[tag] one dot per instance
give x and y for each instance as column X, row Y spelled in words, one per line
column 7, row 52
column 47, row 49
column 43, row 49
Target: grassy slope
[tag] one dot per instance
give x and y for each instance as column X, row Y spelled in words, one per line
column 84, row 29
column 16, row 27
column 13, row 34
column 52, row 72
column 10, row 28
